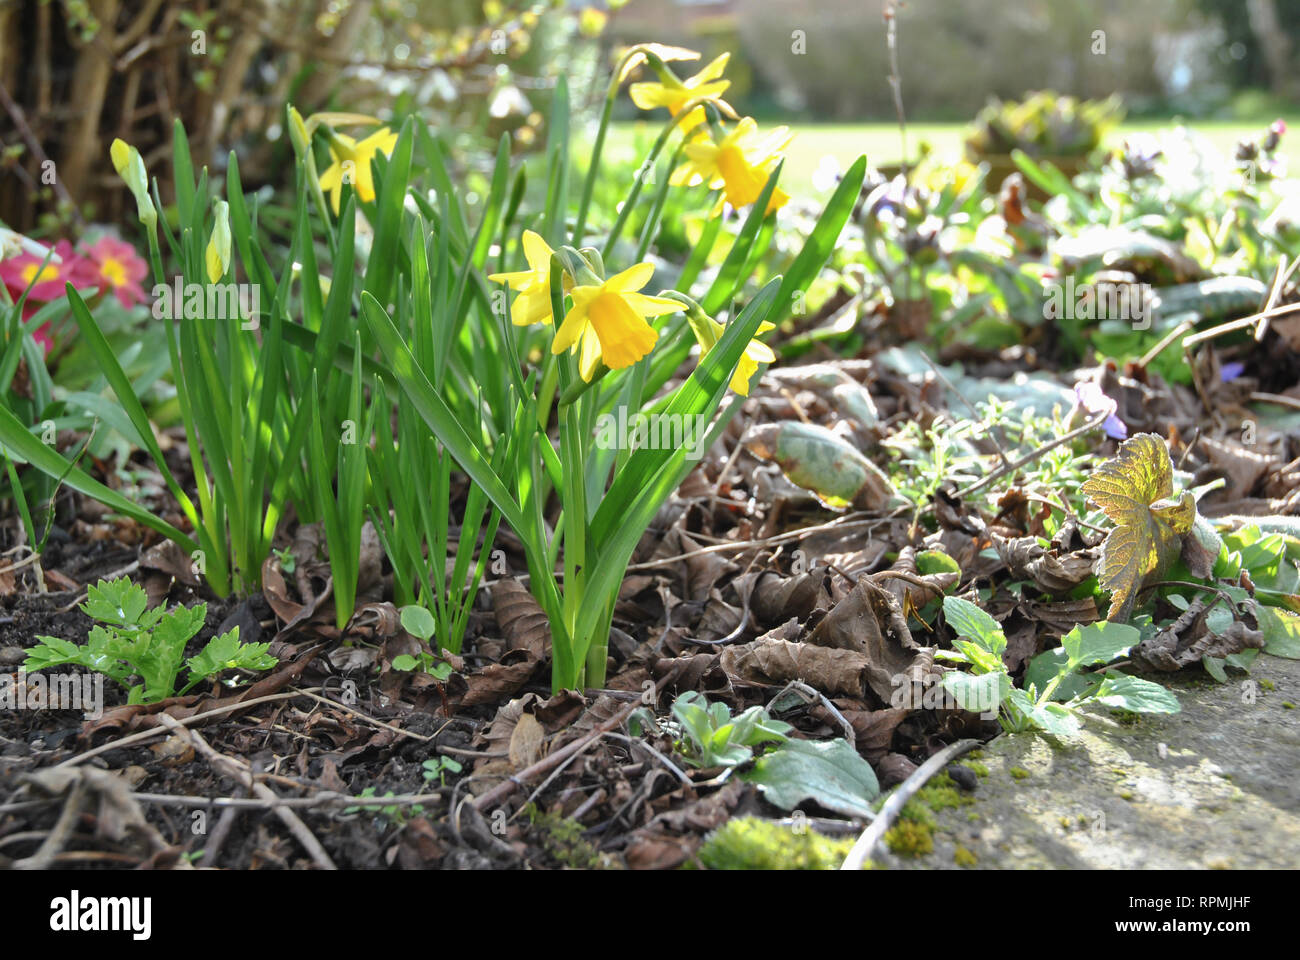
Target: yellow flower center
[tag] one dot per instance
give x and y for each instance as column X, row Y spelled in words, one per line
column 114, row 271
column 624, row 337
column 35, row 273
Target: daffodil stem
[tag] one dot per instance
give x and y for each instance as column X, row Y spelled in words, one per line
column 657, row 208
column 648, row 164
column 597, row 149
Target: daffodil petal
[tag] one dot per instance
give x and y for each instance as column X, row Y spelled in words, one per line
column 651, row 306
column 537, row 252
column 631, row 279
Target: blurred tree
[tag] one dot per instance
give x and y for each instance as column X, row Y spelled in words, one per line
column 1263, row 29
column 74, row 74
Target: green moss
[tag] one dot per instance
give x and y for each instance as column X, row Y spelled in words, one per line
column 1127, row 717
column 917, row 813
column 1288, row 705
column 972, row 816
column 562, row 838
column 1019, row 773
column 1267, row 684
column 979, row 769
column 1065, row 823
column 910, row 838
column 963, row 857
column 942, row 794
column 750, row 843
column 1126, row 794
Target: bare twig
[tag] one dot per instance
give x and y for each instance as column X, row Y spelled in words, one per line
column 862, row 850
column 997, row 474
column 54, row 842
column 143, row 735
column 546, row 764
column 240, row 772
column 811, row 694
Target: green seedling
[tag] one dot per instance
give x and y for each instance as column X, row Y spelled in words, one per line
column 148, row 644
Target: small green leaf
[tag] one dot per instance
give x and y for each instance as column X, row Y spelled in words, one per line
column 418, row 622
column 829, row 773
column 1045, row 667
column 972, row 622
column 935, row 561
column 1123, row 692
column 1098, row 643
column 1214, row 667
column 1056, row 719
column 977, row 694
column 1281, row 632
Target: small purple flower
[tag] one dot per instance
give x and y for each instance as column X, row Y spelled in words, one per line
column 1231, row 371
column 1090, row 398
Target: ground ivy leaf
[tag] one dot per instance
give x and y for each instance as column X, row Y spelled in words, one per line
column 1281, row 632
column 970, row 621
column 1134, row 491
column 1123, row 692
column 830, row 773
column 1098, row 643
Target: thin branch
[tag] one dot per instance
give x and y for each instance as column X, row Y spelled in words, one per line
column 866, row 844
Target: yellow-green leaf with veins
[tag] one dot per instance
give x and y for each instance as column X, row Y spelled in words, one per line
column 1135, row 490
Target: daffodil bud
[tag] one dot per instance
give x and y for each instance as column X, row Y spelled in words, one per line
column 130, row 167
column 298, row 132
column 596, row 261
column 706, row 329
column 217, row 257
column 577, row 266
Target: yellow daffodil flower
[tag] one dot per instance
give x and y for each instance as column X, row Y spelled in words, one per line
column 344, row 149
column 708, row 332
column 532, row 286
column 634, row 56
column 675, row 94
column 607, row 322
column 739, row 165
column 756, row 352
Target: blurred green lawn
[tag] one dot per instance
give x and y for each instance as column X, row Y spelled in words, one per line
column 880, row 142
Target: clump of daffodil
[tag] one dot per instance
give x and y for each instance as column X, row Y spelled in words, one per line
column 708, row 332
column 532, row 286
column 345, row 150
column 738, row 164
column 674, row 94
column 607, row 322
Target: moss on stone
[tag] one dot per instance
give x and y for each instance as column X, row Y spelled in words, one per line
column 910, row 838
column 751, row 843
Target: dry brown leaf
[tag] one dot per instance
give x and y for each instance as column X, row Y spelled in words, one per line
column 522, row 621
column 869, row 621
column 526, row 742
column 836, row 673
